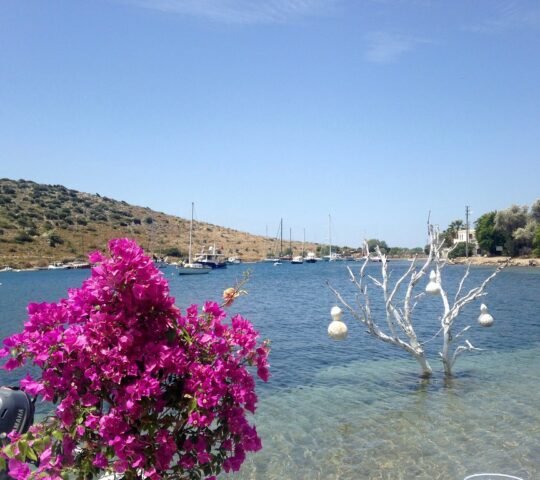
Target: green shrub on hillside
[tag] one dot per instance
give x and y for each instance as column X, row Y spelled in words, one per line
column 55, row 239
column 173, row 252
column 23, row 237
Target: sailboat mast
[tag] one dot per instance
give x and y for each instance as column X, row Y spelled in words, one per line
column 190, row 232
column 281, row 238
column 329, row 236
column 290, row 241
column 303, row 243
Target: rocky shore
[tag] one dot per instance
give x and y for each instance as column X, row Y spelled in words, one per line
column 496, row 261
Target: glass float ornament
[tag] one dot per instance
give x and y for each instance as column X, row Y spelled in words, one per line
column 433, row 286
column 337, row 329
column 485, row 319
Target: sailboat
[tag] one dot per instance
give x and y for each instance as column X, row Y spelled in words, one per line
column 276, row 259
column 331, row 257
column 191, row 268
column 284, row 257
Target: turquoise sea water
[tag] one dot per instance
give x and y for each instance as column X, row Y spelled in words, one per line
column 357, row 409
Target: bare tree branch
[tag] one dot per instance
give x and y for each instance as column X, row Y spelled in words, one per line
column 399, row 318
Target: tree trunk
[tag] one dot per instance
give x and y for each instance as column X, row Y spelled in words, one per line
column 445, row 355
column 424, row 365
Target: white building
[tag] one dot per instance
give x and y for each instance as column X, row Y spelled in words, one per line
column 462, row 238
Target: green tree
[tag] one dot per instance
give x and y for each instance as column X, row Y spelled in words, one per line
column 451, row 232
column 507, row 222
column 373, row 242
column 524, row 237
column 535, row 211
column 324, row 250
column 536, row 243
column 459, row 250
column 487, row 236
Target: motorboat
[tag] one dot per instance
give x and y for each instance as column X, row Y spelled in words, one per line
column 310, row 258
column 57, row 266
column 211, row 258
column 193, row 269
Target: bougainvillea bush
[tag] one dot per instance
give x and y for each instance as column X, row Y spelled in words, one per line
column 140, row 388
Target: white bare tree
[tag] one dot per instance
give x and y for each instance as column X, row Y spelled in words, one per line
column 398, row 327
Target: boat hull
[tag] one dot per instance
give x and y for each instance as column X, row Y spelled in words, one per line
column 211, row 264
column 193, row 269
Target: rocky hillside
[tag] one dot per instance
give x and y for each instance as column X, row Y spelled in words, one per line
column 41, row 224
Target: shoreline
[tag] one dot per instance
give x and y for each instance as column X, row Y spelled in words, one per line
column 496, row 261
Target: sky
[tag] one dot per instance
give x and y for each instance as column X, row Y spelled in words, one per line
column 350, row 118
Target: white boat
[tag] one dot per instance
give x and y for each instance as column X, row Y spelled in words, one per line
column 299, row 259
column 79, row 265
column 191, row 268
column 57, row 266
column 211, row 258
column 310, row 258
column 6, row 269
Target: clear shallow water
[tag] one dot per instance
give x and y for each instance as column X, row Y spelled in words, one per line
column 357, row 409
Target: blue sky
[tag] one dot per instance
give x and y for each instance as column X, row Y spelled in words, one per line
column 373, row 111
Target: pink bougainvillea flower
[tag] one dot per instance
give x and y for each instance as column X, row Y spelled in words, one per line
column 143, row 387
column 18, row 469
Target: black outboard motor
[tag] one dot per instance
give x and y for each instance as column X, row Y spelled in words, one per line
column 16, row 414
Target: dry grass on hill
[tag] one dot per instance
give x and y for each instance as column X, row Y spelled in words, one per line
column 41, row 224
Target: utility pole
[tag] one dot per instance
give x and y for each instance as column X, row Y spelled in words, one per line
column 467, row 211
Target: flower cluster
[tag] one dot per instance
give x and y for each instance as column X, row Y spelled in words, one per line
column 141, row 389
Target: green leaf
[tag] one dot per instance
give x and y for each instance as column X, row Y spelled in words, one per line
column 23, row 448
column 9, row 451
column 57, row 435
column 31, row 455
